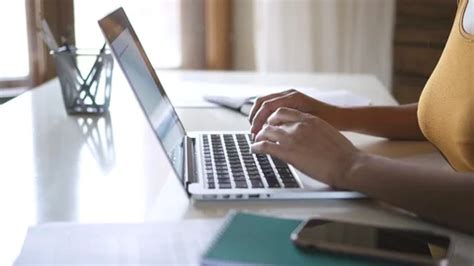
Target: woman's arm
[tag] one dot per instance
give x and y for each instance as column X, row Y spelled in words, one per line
column 441, row 196
column 320, row 151
column 393, row 122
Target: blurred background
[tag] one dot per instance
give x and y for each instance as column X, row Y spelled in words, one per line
column 398, row 41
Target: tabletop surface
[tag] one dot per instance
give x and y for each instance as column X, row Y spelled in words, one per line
column 108, row 169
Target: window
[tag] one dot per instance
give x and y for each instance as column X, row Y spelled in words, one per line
column 157, row 24
column 14, row 63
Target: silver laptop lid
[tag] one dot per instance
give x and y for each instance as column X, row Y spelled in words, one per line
column 141, row 76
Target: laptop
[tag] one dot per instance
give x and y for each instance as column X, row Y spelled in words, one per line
column 209, row 165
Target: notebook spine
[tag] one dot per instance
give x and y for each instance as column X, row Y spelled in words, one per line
column 230, row 216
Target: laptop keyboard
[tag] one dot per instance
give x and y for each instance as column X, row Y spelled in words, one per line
column 229, row 163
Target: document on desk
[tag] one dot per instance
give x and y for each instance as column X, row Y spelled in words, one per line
column 161, row 243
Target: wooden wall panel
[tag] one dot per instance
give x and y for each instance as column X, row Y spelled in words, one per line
column 408, row 88
column 415, row 60
column 60, row 16
column 218, row 20
column 427, row 9
column 421, row 30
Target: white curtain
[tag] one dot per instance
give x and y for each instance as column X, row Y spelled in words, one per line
column 349, row 36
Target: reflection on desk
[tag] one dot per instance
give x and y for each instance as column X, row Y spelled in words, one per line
column 99, row 136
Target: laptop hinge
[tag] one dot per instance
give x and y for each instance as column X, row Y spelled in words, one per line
column 190, row 171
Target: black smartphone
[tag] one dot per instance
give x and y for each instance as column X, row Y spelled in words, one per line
column 407, row 246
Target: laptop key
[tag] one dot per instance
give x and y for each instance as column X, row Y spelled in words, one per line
column 284, row 170
column 241, row 184
column 222, row 172
column 291, row 185
column 256, row 183
column 239, row 179
column 269, row 175
column 252, row 170
column 227, row 183
column 251, row 166
column 287, row 177
column 278, row 162
column 254, row 175
column 223, row 176
column 238, row 170
column 268, row 172
column 274, row 184
column 225, row 186
column 288, row 180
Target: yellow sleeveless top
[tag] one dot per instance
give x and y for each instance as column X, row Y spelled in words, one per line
column 446, row 106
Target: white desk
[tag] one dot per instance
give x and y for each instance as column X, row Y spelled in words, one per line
column 51, row 170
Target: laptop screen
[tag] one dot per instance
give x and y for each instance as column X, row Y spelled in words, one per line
column 131, row 57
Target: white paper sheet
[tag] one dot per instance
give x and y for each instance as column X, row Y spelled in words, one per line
column 338, row 97
column 164, row 243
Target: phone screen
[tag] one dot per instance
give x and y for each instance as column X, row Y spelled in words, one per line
column 370, row 240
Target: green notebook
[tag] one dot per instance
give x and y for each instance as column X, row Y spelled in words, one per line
column 254, row 240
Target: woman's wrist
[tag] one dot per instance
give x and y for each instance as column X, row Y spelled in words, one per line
column 341, row 118
column 358, row 163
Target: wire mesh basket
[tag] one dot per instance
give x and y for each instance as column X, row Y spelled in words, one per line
column 84, row 94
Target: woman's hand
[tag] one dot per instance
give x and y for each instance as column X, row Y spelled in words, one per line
column 309, row 144
column 266, row 105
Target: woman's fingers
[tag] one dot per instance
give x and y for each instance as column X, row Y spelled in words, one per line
column 268, row 147
column 261, row 100
column 271, row 133
column 268, row 107
column 285, row 115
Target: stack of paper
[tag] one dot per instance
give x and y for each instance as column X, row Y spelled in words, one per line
column 164, row 243
column 194, row 94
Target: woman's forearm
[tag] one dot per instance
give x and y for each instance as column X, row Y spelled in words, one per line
column 441, row 196
column 392, row 122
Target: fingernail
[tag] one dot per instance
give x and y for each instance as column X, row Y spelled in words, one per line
column 252, row 136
